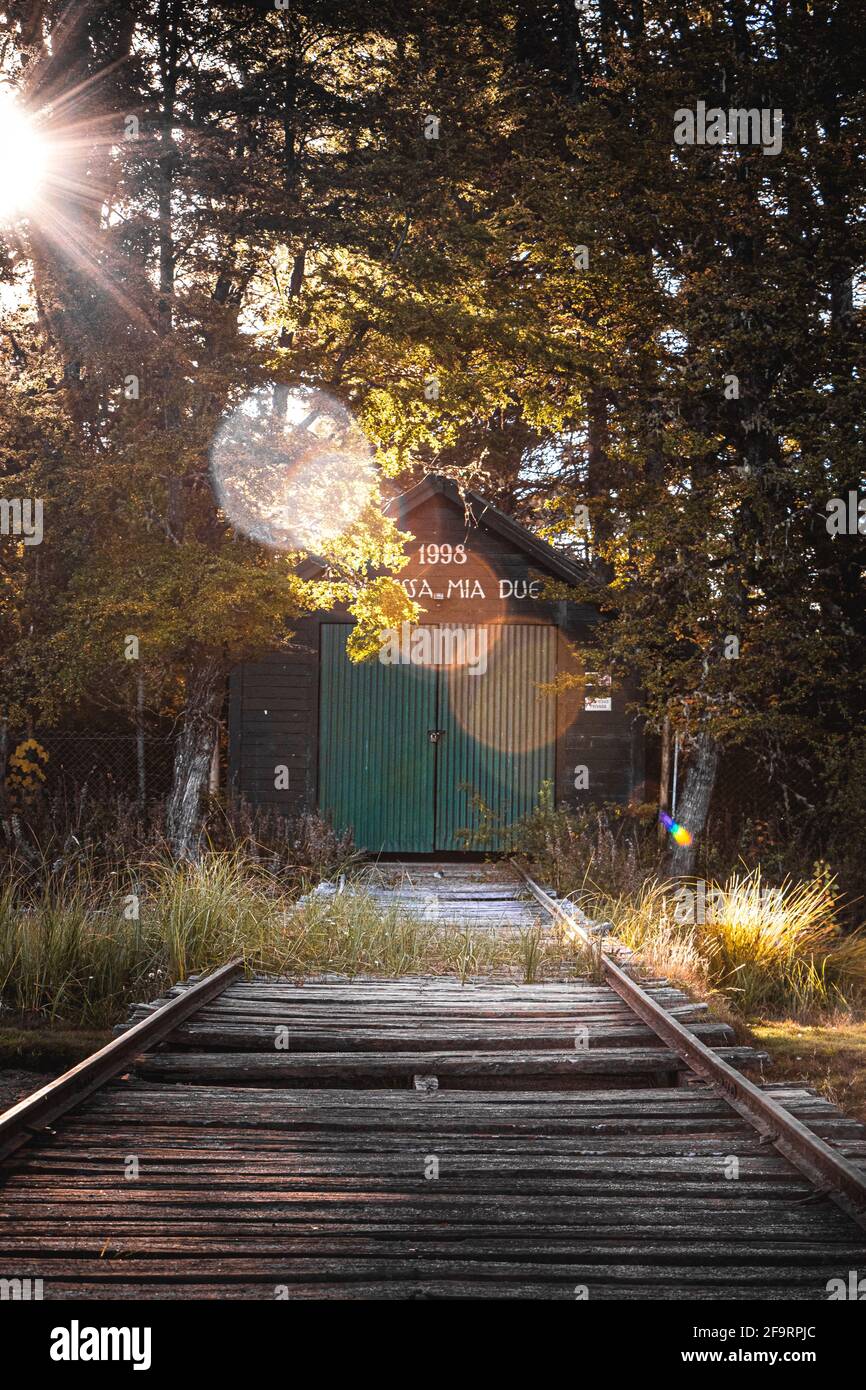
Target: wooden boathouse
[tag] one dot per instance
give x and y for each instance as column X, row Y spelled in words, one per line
column 450, row 729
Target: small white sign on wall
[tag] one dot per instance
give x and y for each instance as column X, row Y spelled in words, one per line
column 594, row 701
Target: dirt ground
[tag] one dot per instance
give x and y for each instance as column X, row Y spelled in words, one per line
column 15, row 1085
column 31, row 1057
column 832, row 1058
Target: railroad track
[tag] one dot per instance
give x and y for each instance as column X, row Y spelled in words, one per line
column 420, row 1138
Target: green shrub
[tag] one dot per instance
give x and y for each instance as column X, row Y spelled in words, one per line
column 613, row 848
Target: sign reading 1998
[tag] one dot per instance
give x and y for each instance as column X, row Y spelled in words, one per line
column 444, row 554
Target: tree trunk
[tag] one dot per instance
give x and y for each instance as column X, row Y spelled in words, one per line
column 695, row 800
column 192, row 756
column 664, row 778
column 213, row 785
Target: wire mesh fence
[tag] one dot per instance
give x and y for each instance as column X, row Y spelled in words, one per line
column 53, row 760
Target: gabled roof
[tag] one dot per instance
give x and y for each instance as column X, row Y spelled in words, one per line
column 483, row 513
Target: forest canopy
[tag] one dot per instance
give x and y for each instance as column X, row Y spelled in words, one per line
column 601, row 261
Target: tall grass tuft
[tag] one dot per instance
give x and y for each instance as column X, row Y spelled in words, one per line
column 770, row 951
column 65, row 954
column 355, row 934
column 69, row 954
column 197, row 916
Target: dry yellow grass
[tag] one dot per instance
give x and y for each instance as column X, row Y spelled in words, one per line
column 768, row 951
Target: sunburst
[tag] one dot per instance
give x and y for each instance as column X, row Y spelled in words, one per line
column 23, row 157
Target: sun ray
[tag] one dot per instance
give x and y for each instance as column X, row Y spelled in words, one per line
column 23, row 157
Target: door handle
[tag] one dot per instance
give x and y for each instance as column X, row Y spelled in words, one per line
column 434, row 735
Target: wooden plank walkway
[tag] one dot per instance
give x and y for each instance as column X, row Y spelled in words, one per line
column 419, row 1138
column 480, row 896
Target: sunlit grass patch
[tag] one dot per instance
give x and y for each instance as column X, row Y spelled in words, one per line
column 767, row 950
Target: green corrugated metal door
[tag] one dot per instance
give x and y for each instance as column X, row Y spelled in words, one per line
column 380, row 773
column 376, row 762
column 499, row 739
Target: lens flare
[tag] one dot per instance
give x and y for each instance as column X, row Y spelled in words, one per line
column 501, row 707
column 292, row 468
column 679, row 832
column 22, row 157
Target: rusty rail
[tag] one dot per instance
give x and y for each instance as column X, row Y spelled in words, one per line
column 826, row 1168
column 34, row 1114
